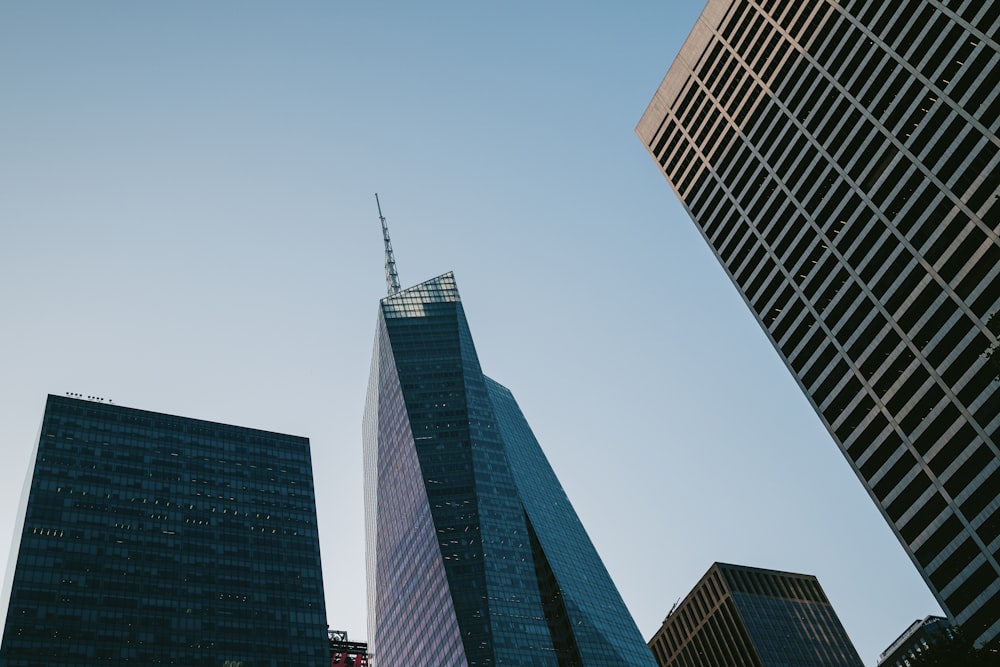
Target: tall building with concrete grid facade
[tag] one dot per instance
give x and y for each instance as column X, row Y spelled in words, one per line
column 748, row 617
column 841, row 160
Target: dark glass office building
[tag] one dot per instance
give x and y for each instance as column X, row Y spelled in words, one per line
column 153, row 539
column 919, row 637
column 842, row 161
column 475, row 555
column 748, row 617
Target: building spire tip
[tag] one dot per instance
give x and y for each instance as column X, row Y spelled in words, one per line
column 391, row 276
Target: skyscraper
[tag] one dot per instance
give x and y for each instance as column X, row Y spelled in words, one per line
column 748, row 617
column 475, row 555
column 152, row 539
column 841, row 160
column 920, row 636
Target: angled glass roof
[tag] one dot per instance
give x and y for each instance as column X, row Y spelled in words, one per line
column 411, row 301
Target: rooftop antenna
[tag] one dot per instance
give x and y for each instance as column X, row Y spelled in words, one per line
column 391, row 277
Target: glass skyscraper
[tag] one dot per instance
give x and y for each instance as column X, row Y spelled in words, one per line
column 147, row 538
column 842, row 161
column 475, row 555
column 741, row 616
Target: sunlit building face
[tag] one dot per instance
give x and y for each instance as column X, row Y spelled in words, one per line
column 842, row 161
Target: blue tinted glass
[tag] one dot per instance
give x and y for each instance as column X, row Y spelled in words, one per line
column 465, row 552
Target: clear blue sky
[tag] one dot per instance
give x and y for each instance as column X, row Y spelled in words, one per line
column 188, row 226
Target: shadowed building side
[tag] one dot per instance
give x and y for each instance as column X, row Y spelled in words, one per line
column 154, row 539
column 920, row 636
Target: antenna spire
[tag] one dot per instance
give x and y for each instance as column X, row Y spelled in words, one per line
column 391, row 277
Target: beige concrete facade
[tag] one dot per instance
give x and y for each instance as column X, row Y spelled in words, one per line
column 841, row 159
